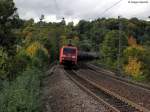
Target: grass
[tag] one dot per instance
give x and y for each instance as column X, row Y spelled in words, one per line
column 22, row 94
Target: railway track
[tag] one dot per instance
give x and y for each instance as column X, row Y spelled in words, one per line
column 112, row 75
column 138, row 95
column 112, row 100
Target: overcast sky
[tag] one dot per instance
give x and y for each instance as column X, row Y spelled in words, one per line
column 74, row 10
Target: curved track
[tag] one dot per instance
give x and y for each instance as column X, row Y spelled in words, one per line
column 137, row 94
column 112, row 100
column 113, row 75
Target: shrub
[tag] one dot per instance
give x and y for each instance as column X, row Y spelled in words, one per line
column 134, row 51
column 33, row 49
column 22, row 95
column 38, row 54
column 133, row 67
column 136, row 62
column 3, row 63
column 19, row 63
column 146, row 61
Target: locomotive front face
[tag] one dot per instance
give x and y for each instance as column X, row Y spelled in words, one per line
column 69, row 55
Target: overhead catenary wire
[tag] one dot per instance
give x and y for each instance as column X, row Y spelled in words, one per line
column 119, row 44
column 107, row 9
column 56, row 5
column 59, row 10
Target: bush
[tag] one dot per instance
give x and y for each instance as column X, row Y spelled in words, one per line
column 109, row 47
column 136, row 51
column 136, row 60
column 146, row 61
column 34, row 47
column 19, row 63
column 3, row 63
column 133, row 67
column 22, row 95
column 38, row 54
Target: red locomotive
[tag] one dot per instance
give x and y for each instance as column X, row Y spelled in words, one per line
column 68, row 55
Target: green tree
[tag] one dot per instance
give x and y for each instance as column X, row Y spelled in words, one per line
column 110, row 45
column 7, row 15
column 3, row 63
column 83, row 29
column 85, row 45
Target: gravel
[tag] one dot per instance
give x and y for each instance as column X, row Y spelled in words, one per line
column 60, row 94
column 134, row 94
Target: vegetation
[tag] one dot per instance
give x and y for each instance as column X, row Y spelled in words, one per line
column 23, row 93
column 103, row 35
column 133, row 67
column 23, row 60
column 109, row 47
column 27, row 48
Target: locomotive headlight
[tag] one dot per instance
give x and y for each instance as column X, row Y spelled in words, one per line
column 73, row 57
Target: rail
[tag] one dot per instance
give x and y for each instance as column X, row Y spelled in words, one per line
column 114, row 101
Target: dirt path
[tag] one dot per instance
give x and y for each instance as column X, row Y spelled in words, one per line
column 62, row 95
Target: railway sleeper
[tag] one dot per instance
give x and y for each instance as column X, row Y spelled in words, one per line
column 126, row 104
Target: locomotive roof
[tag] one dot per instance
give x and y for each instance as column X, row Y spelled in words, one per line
column 69, row 46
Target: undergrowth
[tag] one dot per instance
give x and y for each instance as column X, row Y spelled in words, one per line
column 22, row 94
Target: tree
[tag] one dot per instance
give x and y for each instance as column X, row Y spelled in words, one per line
column 133, row 67
column 146, row 61
column 112, row 24
column 83, row 29
column 97, row 35
column 85, row 45
column 7, row 15
column 63, row 22
column 134, row 51
column 3, row 63
column 137, row 61
column 146, row 37
column 109, row 47
column 42, row 17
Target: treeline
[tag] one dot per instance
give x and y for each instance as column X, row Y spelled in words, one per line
column 122, row 44
column 27, row 48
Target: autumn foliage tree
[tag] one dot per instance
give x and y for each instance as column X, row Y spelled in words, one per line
column 134, row 55
column 134, row 67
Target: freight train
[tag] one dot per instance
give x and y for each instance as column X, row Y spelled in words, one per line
column 69, row 55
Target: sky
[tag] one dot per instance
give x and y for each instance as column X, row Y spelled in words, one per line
column 75, row 10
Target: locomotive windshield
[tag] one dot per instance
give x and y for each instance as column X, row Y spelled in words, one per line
column 69, row 50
